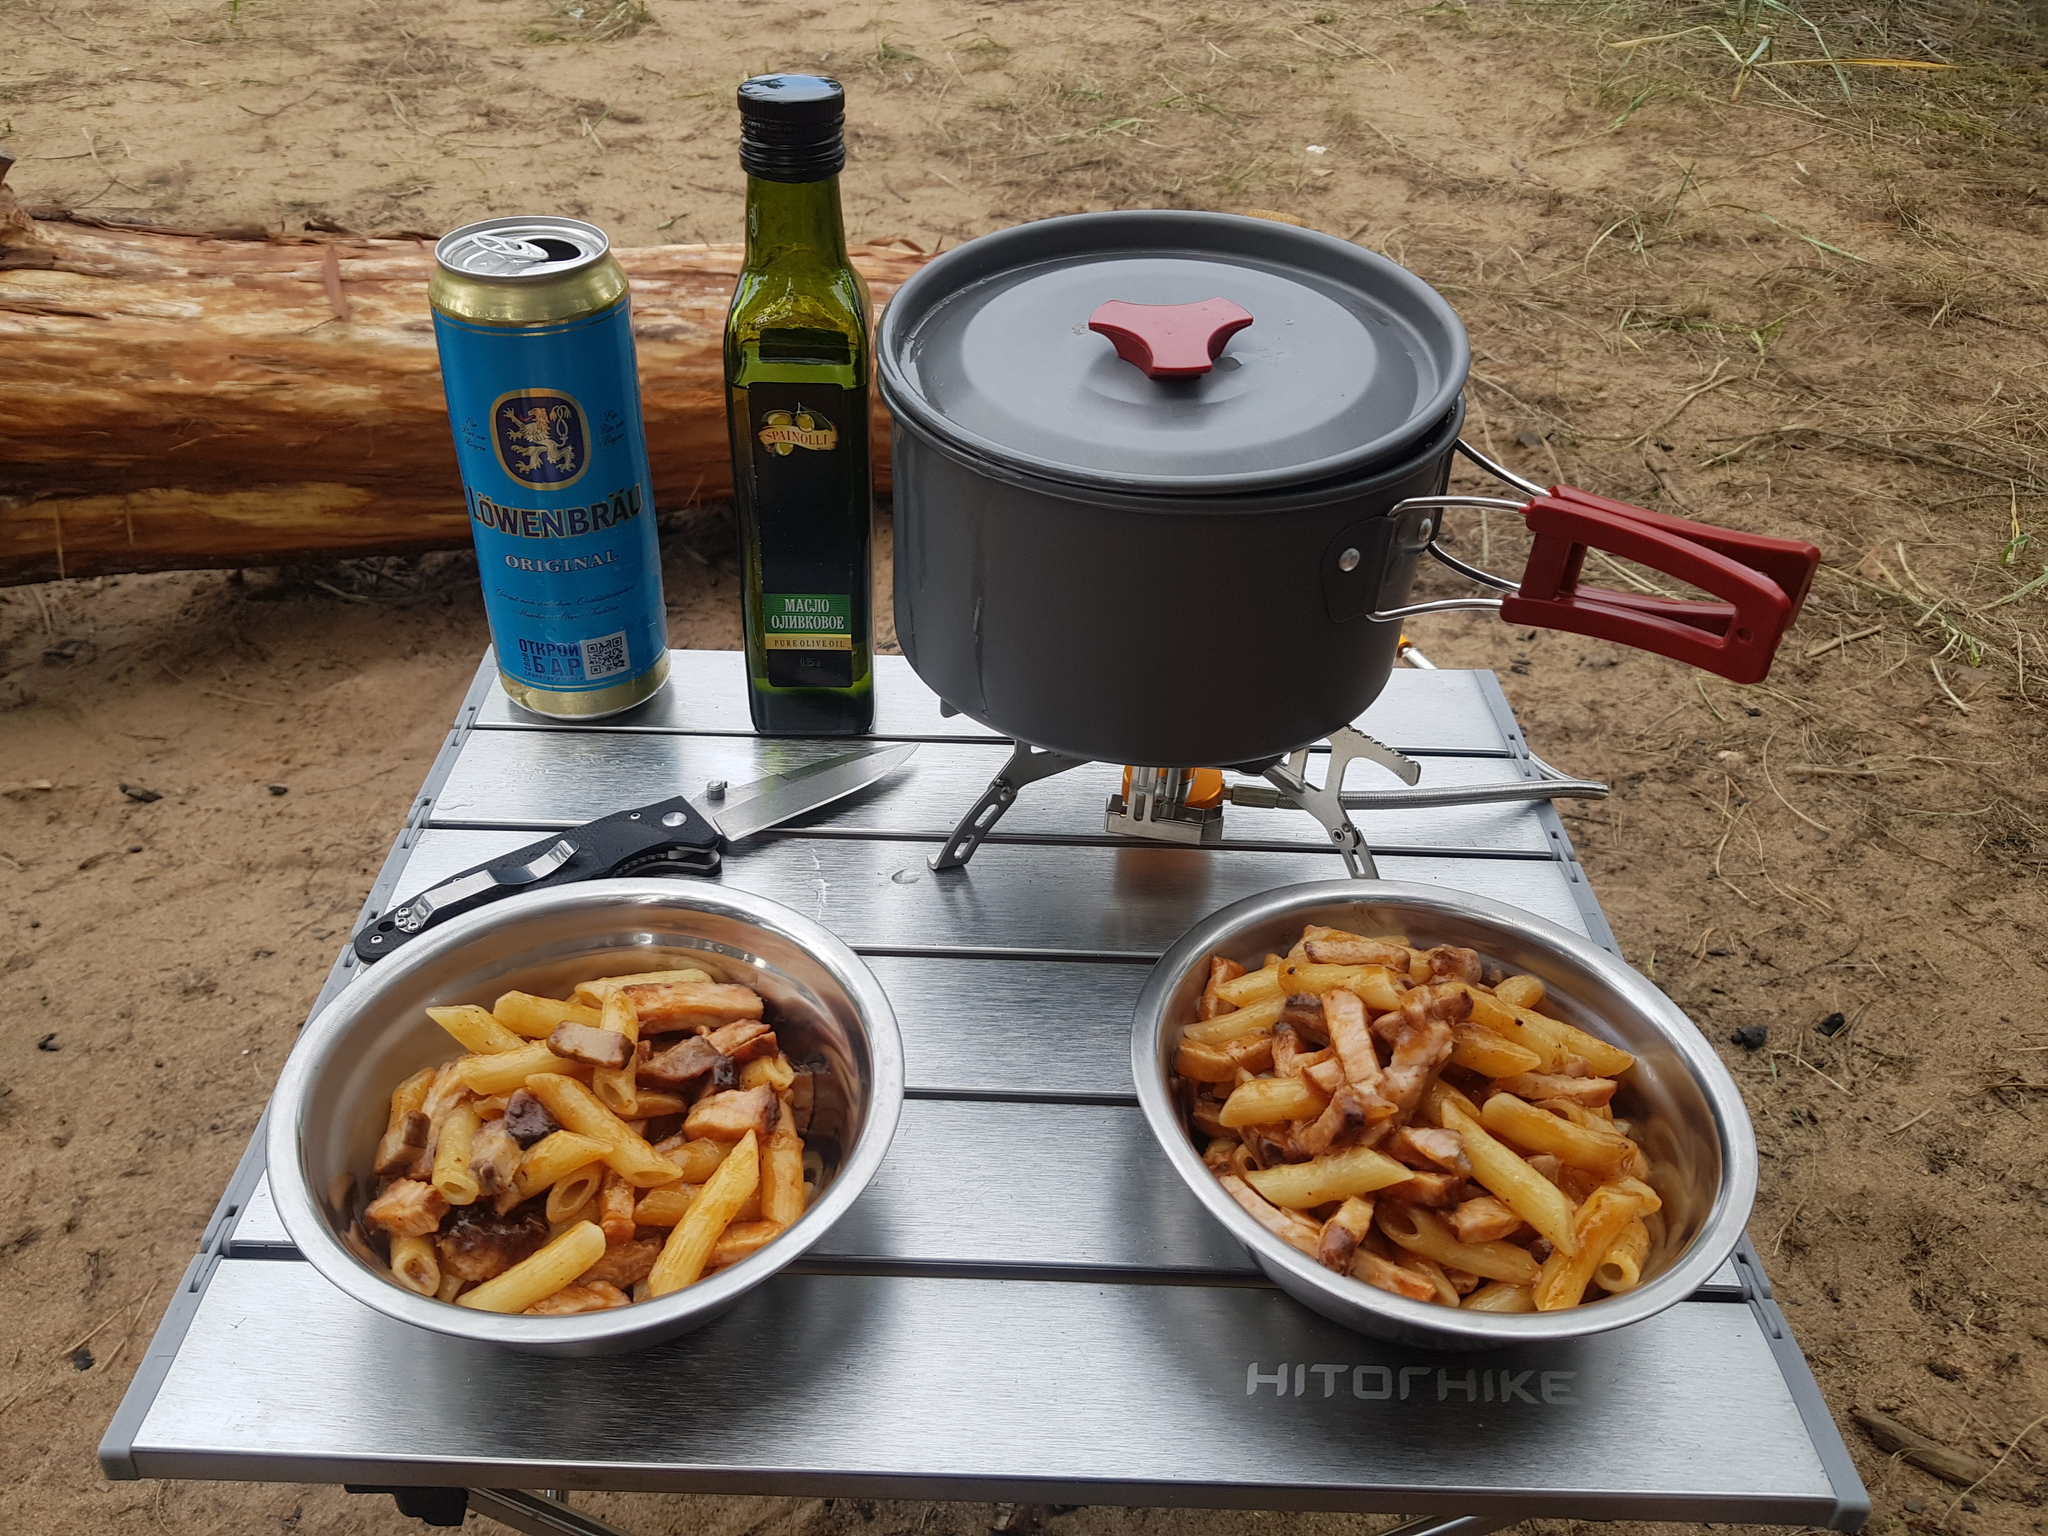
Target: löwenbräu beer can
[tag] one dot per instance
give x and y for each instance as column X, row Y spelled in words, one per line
column 535, row 330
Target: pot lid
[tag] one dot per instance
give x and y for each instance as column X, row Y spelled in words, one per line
column 1173, row 352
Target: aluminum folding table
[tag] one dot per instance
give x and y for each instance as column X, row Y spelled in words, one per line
column 1026, row 1304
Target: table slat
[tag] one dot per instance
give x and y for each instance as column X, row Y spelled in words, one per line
column 879, row 893
column 1437, row 711
column 966, row 1389
column 548, row 779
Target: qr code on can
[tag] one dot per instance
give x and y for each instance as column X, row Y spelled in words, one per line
column 604, row 657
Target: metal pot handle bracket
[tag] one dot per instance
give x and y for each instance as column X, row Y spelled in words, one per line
column 1761, row 581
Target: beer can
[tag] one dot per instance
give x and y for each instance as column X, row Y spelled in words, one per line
column 534, row 325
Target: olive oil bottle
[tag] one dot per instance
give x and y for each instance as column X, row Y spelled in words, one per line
column 797, row 370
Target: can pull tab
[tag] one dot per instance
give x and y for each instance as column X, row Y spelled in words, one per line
column 1170, row 341
column 511, row 250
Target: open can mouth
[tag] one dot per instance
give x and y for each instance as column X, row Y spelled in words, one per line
column 1685, row 1109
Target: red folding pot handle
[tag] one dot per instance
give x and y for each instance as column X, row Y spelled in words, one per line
column 1761, row 583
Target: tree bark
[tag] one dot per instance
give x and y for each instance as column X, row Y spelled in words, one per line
column 176, row 399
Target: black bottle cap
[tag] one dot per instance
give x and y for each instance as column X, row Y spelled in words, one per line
column 792, row 127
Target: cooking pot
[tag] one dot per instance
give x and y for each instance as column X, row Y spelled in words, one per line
column 1163, row 480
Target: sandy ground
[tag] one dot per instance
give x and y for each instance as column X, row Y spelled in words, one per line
column 1794, row 313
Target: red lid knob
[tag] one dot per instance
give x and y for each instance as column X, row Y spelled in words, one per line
column 1170, row 341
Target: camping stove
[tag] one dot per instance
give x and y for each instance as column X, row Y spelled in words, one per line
column 1185, row 805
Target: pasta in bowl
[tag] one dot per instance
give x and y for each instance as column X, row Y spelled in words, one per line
column 1439, row 1119
column 587, row 1119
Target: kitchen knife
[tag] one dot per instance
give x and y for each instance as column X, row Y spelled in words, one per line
column 668, row 837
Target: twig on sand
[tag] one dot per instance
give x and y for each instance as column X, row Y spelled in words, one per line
column 1942, row 683
column 1828, row 645
column 2010, row 1448
column 1765, row 763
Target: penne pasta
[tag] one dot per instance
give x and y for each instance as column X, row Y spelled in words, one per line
column 1267, row 1100
column 1249, row 987
column 741, row 1240
column 615, row 1202
column 1248, row 1020
column 1525, row 1191
column 1481, row 1050
column 571, row 1197
column 536, row 1017
column 452, row 1175
column 1537, row 1130
column 554, row 1157
column 1425, row 1233
column 690, row 1242
column 1621, row 1267
column 1334, row 1176
column 1497, row 1297
column 539, row 1277
column 773, row 1071
column 415, row 1265
column 405, row 1135
column 1373, row 985
column 782, row 1173
column 616, row 1087
column 577, row 1108
column 1490, row 1013
column 508, row 1071
column 1603, row 1217
column 1520, row 992
column 666, row 1206
column 698, row 1157
column 476, row 1029
column 518, row 1177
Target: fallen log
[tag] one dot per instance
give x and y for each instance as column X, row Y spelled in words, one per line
column 180, row 399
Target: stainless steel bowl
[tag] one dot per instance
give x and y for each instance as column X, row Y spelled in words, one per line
column 1687, row 1112
column 334, row 1094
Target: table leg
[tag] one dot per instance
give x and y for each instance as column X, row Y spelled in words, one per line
column 1451, row 1525
column 536, row 1514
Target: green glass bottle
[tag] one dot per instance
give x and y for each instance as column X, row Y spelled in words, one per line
column 797, row 369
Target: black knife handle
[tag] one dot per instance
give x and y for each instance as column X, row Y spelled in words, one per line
column 667, row 837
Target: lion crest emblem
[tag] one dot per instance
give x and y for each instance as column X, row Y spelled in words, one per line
column 541, row 439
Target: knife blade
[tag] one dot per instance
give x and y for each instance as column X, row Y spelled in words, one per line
column 782, row 796
column 667, row 837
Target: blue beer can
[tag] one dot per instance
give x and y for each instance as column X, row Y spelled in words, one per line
column 534, row 324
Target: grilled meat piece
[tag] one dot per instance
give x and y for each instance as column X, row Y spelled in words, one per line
column 692, row 1004
column 729, row 1116
column 1333, row 946
column 407, row 1208
column 478, row 1245
column 398, row 1150
column 1447, row 962
column 527, row 1119
column 627, row 1263
column 744, row 1039
column 583, row 1296
column 1304, row 1013
column 1429, row 1147
column 494, row 1158
column 598, row 1047
column 679, row 1064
